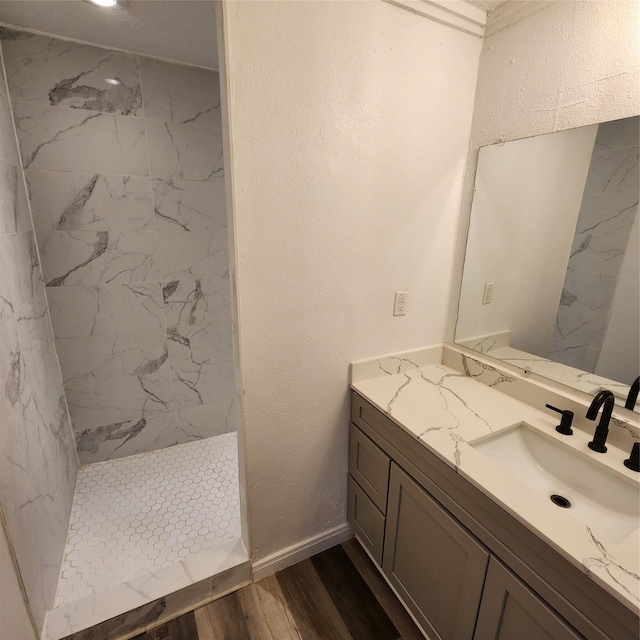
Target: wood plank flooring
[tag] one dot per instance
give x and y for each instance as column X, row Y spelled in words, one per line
column 336, row 595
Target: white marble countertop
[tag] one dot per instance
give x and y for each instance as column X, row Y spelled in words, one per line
column 444, row 410
column 497, row 346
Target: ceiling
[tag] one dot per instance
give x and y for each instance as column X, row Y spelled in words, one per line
column 181, row 30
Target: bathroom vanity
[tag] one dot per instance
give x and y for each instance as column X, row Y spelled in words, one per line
column 472, row 550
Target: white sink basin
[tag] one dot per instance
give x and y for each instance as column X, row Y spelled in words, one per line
column 598, row 497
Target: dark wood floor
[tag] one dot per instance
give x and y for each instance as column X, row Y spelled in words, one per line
column 336, row 595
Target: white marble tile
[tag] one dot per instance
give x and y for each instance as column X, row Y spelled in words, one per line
column 7, row 285
column 607, row 214
column 100, row 360
column 580, row 325
column 105, row 310
column 181, row 94
column 58, row 139
column 21, row 274
column 14, row 205
column 21, row 436
column 99, row 257
column 594, row 253
column 196, row 301
column 193, row 255
column 114, row 381
column 201, row 344
column 39, row 466
column 108, row 430
column 153, row 432
column 38, row 554
column 41, row 365
column 185, row 205
column 8, row 146
column 592, row 290
column 64, row 201
column 54, row 72
column 618, row 133
column 184, row 152
column 186, row 585
column 200, row 358
column 127, row 438
column 613, row 171
column 61, row 451
column 136, row 515
column 206, row 420
column 39, row 533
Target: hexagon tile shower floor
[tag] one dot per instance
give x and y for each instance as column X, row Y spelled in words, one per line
column 139, row 514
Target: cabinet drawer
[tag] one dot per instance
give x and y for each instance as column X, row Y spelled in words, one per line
column 369, row 465
column 366, row 520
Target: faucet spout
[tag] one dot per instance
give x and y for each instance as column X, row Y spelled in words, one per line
column 633, row 394
column 602, row 430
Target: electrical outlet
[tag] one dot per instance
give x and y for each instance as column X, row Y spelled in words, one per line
column 487, row 295
column 400, row 304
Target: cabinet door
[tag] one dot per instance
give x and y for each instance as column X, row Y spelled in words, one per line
column 510, row 611
column 436, row 565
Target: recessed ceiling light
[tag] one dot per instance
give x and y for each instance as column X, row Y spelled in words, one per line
column 104, row 3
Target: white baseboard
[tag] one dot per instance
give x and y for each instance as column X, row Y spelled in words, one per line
column 300, row 551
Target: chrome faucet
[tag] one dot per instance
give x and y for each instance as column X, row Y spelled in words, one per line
column 602, row 430
column 633, row 394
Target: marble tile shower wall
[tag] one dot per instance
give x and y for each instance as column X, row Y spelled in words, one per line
column 123, row 160
column 38, row 463
column 608, row 209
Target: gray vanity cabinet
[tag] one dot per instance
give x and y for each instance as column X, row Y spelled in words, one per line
column 465, row 568
column 510, row 610
column 434, row 563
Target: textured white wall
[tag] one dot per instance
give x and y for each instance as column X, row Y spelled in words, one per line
column 349, row 125
column 571, row 64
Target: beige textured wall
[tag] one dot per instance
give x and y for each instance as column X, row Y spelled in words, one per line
column 349, row 124
column 571, row 64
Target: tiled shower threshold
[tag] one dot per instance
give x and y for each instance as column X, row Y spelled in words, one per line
column 150, row 535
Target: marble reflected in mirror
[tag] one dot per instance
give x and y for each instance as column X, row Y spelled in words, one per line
column 551, row 279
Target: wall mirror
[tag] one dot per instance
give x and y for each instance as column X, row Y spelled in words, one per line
column 551, row 279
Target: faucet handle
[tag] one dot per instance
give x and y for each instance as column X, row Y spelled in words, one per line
column 633, row 462
column 565, row 422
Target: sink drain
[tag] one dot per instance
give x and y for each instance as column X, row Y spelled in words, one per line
column 560, row 501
